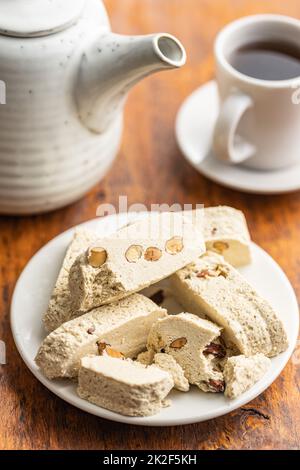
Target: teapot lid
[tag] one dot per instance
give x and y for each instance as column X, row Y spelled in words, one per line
column 32, row 18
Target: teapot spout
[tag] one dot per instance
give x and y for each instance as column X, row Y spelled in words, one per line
column 112, row 65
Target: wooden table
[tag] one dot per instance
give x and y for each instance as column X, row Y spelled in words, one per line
column 150, row 169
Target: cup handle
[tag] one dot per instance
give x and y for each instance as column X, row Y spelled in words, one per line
column 227, row 145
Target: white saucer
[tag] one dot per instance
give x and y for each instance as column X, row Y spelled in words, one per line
column 194, row 127
column 30, row 301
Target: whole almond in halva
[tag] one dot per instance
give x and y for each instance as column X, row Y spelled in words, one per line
column 134, row 253
column 97, row 256
column 178, row 343
column 220, row 247
column 153, row 254
column 174, row 245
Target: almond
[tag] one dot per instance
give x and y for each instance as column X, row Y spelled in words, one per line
column 178, row 343
column 97, row 256
column 114, row 353
column 217, row 271
column 91, row 330
column 220, row 247
column 152, row 254
column 215, row 349
column 105, row 348
column 205, row 273
column 102, row 346
column 134, row 253
column 174, row 245
column 222, row 270
column 217, row 386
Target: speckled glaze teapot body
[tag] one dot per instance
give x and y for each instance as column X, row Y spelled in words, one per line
column 65, row 77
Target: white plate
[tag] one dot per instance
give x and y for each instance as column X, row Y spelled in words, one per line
column 30, row 300
column 194, row 129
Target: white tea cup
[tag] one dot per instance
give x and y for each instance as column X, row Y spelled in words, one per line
column 259, row 120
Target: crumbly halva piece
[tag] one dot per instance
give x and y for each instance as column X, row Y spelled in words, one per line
column 225, row 232
column 167, row 363
column 241, row 373
column 60, row 305
column 213, row 288
column 193, row 343
column 123, row 386
column 124, row 325
column 133, row 258
column 146, row 357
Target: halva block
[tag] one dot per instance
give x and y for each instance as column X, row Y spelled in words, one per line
column 60, row 306
column 213, row 288
column 193, row 343
column 133, row 258
column 123, row 386
column 225, row 232
column 123, row 326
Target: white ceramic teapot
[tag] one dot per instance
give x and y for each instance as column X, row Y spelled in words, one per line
column 64, row 78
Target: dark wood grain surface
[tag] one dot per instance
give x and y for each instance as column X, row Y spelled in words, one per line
column 150, row 169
